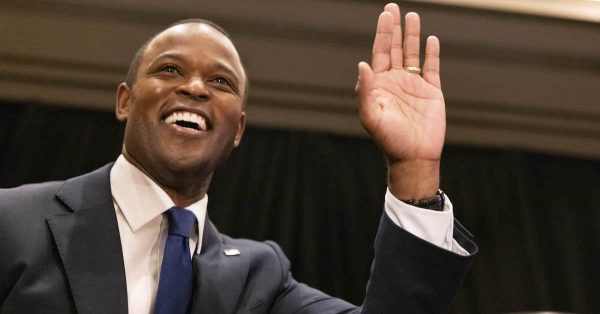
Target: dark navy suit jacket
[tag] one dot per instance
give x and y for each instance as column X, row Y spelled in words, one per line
column 60, row 252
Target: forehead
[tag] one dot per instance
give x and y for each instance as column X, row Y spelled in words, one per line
column 194, row 41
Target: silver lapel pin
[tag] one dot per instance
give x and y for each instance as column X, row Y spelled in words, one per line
column 231, row 252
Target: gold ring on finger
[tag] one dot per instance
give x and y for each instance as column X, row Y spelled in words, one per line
column 415, row 70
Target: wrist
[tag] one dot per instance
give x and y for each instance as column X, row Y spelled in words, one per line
column 434, row 203
column 414, row 179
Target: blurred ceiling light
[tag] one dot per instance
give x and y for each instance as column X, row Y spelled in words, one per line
column 582, row 10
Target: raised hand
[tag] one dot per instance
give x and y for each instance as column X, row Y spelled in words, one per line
column 403, row 111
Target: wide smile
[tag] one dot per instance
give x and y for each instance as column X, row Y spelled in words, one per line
column 186, row 121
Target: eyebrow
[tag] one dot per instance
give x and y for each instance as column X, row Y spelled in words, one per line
column 169, row 55
column 176, row 56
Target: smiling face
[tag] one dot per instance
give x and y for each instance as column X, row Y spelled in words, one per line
column 184, row 112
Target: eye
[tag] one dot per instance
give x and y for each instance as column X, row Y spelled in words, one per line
column 221, row 80
column 169, row 69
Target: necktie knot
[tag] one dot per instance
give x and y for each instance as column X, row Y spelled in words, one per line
column 181, row 222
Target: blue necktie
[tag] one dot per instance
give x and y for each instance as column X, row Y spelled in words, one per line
column 175, row 283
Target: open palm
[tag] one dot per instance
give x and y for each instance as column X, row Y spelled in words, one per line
column 403, row 112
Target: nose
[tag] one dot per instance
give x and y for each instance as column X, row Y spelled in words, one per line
column 194, row 87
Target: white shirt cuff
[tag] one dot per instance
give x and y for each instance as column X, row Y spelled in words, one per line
column 433, row 226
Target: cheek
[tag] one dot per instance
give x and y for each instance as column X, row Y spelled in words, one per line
column 144, row 116
column 159, row 90
column 232, row 110
column 233, row 120
column 149, row 93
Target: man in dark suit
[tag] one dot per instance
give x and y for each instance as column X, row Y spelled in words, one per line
column 101, row 242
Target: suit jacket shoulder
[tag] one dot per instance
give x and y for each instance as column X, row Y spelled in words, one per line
column 23, row 212
column 247, row 276
column 61, row 248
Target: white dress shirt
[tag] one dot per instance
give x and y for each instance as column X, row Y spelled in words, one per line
column 436, row 227
column 140, row 204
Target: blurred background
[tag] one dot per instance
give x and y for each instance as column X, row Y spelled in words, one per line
column 521, row 164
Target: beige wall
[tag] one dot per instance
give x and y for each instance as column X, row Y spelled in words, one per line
column 510, row 80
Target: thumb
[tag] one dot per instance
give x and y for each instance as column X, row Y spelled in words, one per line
column 364, row 82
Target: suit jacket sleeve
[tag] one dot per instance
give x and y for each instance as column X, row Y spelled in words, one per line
column 408, row 275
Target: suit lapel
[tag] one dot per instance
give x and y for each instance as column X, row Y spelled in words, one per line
column 219, row 278
column 89, row 245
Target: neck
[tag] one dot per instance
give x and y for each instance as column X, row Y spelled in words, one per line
column 184, row 187
column 185, row 195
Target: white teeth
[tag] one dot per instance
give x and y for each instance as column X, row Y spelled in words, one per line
column 201, row 123
column 187, row 117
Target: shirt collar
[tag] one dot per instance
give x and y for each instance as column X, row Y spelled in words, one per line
column 141, row 199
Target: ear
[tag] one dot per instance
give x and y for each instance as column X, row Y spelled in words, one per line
column 123, row 99
column 240, row 130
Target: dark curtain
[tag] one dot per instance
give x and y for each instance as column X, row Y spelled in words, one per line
column 536, row 217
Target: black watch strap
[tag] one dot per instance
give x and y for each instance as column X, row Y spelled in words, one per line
column 433, row 203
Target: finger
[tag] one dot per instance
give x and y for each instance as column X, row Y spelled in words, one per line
column 382, row 42
column 396, row 50
column 412, row 30
column 431, row 66
column 363, row 85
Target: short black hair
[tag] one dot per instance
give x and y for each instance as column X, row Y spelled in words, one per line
column 134, row 65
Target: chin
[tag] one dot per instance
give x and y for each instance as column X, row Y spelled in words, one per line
column 186, row 159
column 191, row 165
